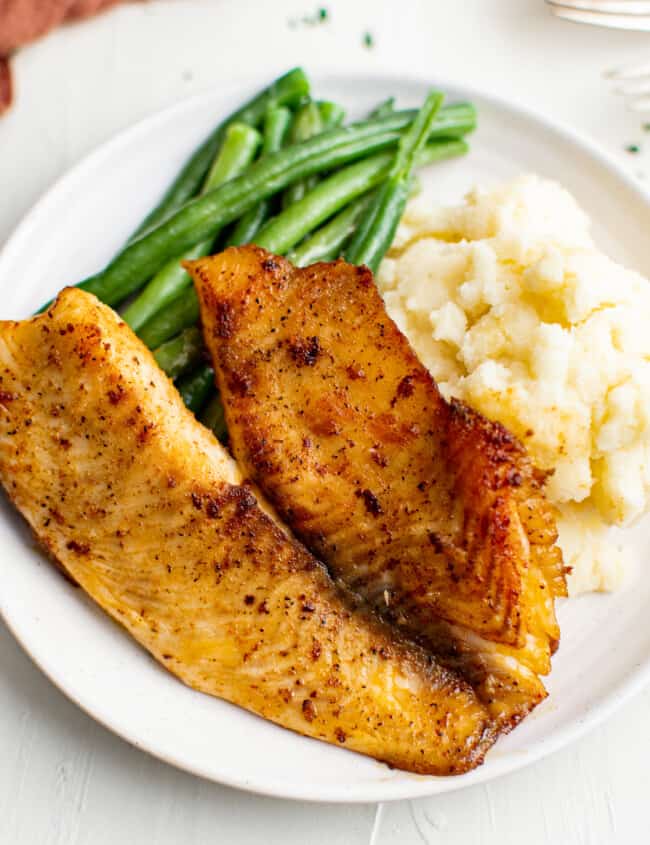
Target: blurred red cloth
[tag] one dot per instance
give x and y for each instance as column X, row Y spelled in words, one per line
column 22, row 21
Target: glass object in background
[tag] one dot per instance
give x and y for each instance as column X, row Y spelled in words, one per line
column 617, row 14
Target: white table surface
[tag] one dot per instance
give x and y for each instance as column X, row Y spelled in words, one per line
column 64, row 779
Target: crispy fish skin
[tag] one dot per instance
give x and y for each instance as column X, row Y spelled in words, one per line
column 424, row 507
column 143, row 508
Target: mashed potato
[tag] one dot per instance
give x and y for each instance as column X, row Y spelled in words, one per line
column 508, row 302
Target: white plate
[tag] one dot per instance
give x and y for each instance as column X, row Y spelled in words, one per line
column 76, row 227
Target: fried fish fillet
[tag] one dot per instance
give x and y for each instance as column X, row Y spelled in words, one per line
column 431, row 512
column 144, row 509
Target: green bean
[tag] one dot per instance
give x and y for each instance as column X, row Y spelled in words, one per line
column 276, row 124
column 238, row 150
column 179, row 314
column 326, row 243
column 182, row 353
column 213, row 417
column 384, row 109
column 306, row 124
column 240, row 147
column 452, row 121
column 196, row 387
column 375, row 235
column 286, row 90
column 331, row 114
column 202, row 217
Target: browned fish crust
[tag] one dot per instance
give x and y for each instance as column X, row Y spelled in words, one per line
column 431, row 512
column 144, row 509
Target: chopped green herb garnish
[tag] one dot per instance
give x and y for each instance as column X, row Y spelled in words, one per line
column 368, row 40
column 633, row 148
column 646, row 127
column 319, row 16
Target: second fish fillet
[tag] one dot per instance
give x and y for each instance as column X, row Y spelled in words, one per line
column 431, row 512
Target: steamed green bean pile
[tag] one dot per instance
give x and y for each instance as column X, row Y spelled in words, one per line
column 285, row 173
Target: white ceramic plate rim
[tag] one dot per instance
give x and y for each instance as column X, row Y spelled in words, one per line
column 637, row 677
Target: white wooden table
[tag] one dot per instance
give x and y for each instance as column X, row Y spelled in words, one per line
column 65, row 780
